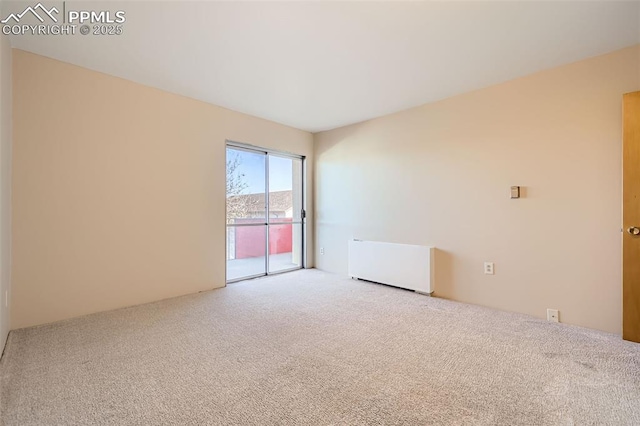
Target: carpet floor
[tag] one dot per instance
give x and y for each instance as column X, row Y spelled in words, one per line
column 311, row 348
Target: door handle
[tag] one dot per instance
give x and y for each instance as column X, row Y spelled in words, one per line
column 634, row 230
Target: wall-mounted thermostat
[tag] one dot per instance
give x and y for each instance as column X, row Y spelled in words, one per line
column 515, row 192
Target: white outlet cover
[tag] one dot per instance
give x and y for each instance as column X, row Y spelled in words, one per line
column 553, row 315
column 488, row 268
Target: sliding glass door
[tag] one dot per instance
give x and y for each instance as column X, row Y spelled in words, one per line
column 246, row 214
column 265, row 213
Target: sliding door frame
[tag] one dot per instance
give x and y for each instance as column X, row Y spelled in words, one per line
column 303, row 214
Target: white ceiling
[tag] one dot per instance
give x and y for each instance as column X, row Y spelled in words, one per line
column 317, row 66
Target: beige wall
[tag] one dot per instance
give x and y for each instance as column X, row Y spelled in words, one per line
column 119, row 190
column 5, row 188
column 440, row 175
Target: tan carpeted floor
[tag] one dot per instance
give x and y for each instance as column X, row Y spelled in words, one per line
column 310, row 348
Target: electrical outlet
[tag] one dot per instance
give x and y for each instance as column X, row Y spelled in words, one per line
column 488, row 268
column 553, row 315
column 321, row 250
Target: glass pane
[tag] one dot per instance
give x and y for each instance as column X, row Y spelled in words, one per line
column 246, row 187
column 285, row 189
column 285, row 247
column 246, row 251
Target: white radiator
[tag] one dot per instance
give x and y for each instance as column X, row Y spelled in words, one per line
column 399, row 265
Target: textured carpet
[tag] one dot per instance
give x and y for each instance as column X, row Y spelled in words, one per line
column 310, row 348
